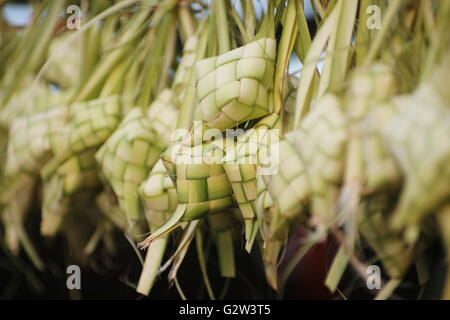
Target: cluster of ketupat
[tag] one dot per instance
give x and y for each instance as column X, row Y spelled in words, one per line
column 357, row 150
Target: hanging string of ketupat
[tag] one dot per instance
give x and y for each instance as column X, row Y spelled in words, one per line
column 362, row 141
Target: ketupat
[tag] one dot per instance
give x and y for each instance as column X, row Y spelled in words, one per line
column 380, row 180
column 92, row 122
column 370, row 87
column 73, row 167
column 127, row 157
column 417, row 138
column 321, row 142
column 48, row 131
column 374, row 153
column 368, row 166
column 201, row 181
column 234, row 87
column 202, row 185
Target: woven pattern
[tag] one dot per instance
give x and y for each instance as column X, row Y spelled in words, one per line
column 233, row 88
column 321, row 141
column 168, row 159
column 159, row 196
column 417, row 136
column 46, row 129
column 369, row 86
column 240, row 165
column 201, row 181
column 92, row 122
column 127, row 157
column 289, row 188
column 242, row 180
column 163, row 115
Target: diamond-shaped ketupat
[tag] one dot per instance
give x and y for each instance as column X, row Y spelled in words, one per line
column 233, row 88
column 417, row 137
column 46, row 129
column 202, row 183
column 48, row 132
column 92, row 122
column 321, row 142
column 127, row 157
